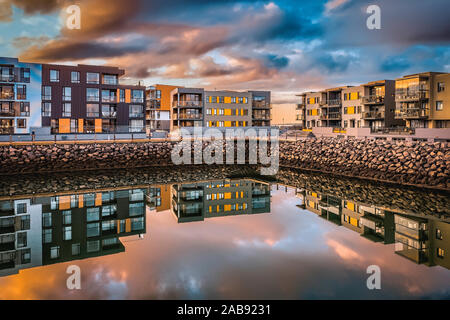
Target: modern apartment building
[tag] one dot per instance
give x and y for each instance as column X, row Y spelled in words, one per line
column 415, row 101
column 218, row 198
column 46, row 230
column 423, row 100
column 418, row 239
column 195, row 107
column 68, row 99
column 158, row 107
column 20, row 96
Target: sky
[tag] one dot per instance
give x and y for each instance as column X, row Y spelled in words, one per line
column 284, row 46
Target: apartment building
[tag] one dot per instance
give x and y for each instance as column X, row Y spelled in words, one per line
column 379, row 105
column 415, row 101
column 45, row 230
column 218, row 198
column 158, row 107
column 195, row 107
column 423, row 100
column 20, row 96
column 418, row 239
column 80, row 99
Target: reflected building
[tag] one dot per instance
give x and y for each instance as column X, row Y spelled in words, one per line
column 218, row 198
column 419, row 239
column 53, row 229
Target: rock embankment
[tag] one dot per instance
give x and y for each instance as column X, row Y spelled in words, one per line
column 423, row 164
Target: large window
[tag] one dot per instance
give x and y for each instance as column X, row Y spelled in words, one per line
column 46, row 93
column 137, row 96
column 67, row 110
column 441, row 86
column 109, row 111
column 109, row 96
column 439, row 105
column 136, row 111
column 46, row 109
column 54, row 76
column 110, row 79
column 67, row 217
column 93, row 230
column 92, row 78
column 75, row 77
column 21, row 123
column 67, row 233
column 76, row 249
column 21, row 92
column 92, row 94
column 92, row 214
column 136, row 125
column 54, row 252
column 47, row 235
column 92, row 110
column 67, row 94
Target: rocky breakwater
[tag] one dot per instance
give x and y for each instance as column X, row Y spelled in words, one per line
column 68, row 157
column 425, row 164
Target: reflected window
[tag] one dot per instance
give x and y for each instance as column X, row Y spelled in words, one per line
column 76, row 249
column 54, row 252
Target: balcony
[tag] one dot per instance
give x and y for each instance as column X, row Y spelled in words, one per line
column 300, row 117
column 373, row 99
column 260, row 105
column 331, row 116
column 261, row 116
column 334, row 102
column 373, row 115
column 7, row 95
column 7, row 112
column 401, row 95
column 186, row 116
column 413, row 113
column 187, row 104
column 135, row 115
column 7, row 78
column 109, row 99
column 300, row 106
column 397, row 131
column 109, row 114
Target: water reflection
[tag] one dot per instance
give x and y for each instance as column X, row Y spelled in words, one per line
column 76, row 224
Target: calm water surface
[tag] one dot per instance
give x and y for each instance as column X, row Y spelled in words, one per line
column 234, row 238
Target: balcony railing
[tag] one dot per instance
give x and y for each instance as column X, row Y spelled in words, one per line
column 331, row 116
column 373, row 115
column 416, row 113
column 195, row 104
column 300, row 106
column 373, row 99
column 7, row 112
column 9, row 78
column 111, row 99
column 136, row 115
column 398, row 130
column 261, row 105
column 110, row 114
column 185, row 116
column 401, row 95
column 261, row 116
column 334, row 102
column 7, row 96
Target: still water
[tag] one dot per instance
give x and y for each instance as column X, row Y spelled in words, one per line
column 220, row 235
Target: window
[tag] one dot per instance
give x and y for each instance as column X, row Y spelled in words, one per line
column 67, row 110
column 92, row 214
column 439, row 106
column 93, row 230
column 25, row 75
column 46, row 93
column 54, row 76
column 93, row 246
column 76, row 249
column 47, row 235
column 21, row 92
column 92, row 78
column 158, row 94
column 47, row 219
column 92, row 110
column 67, row 94
column 440, row 87
column 439, row 234
column 440, row 252
column 67, row 233
column 137, row 96
column 92, row 94
column 46, row 109
column 54, row 252
column 67, row 217
column 26, row 256
column 109, row 79
column 21, row 123
column 121, row 95
column 75, row 77
column 109, row 111
column 136, row 111
column 21, row 208
column 22, row 240
column 221, row 99
column 136, row 125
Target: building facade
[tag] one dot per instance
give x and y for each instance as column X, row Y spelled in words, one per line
column 80, row 99
column 20, row 96
column 414, row 101
column 195, row 107
column 158, row 107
